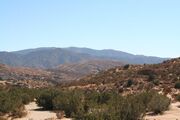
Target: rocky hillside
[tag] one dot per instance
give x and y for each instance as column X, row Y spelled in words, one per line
column 53, row 57
column 131, row 78
column 24, row 77
column 78, row 70
column 32, row 77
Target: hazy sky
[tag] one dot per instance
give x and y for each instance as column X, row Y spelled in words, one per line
column 149, row 27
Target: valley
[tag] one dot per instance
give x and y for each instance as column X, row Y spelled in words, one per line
column 91, row 89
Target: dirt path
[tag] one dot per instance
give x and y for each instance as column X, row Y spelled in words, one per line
column 172, row 114
column 35, row 114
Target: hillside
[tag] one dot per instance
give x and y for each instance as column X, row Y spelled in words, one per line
column 78, row 70
column 53, row 57
column 24, row 77
column 133, row 78
column 33, row 77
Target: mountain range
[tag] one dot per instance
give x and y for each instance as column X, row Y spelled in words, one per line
column 52, row 57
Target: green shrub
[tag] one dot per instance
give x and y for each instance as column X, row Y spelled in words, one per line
column 92, row 105
column 132, row 107
column 12, row 100
column 147, row 72
column 177, row 85
column 158, row 104
column 45, row 99
column 178, row 97
column 10, row 103
column 156, row 82
column 129, row 83
column 145, row 97
column 128, row 108
column 117, row 108
column 151, row 77
column 95, row 115
column 126, row 66
column 96, row 98
column 69, row 102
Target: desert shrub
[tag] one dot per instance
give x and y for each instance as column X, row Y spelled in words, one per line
column 93, row 105
column 97, row 98
column 155, row 82
column 26, row 99
column 1, row 79
column 10, row 103
column 95, row 115
column 178, row 97
column 13, row 99
column 145, row 97
column 159, row 103
column 117, row 108
column 177, row 85
column 25, row 94
column 126, row 66
column 151, row 77
column 4, row 105
column 129, row 83
column 70, row 102
column 137, row 105
column 146, row 72
column 129, row 108
column 45, row 99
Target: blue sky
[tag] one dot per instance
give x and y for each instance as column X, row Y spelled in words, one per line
column 149, row 27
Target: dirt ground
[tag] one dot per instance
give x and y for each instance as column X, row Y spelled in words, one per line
column 35, row 113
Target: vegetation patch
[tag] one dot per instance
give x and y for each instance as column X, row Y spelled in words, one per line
column 178, row 97
column 84, row 104
column 12, row 101
column 177, row 85
column 92, row 105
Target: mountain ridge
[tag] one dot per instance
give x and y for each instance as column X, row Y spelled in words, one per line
column 51, row 57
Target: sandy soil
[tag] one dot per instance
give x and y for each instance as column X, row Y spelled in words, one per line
column 172, row 114
column 34, row 113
